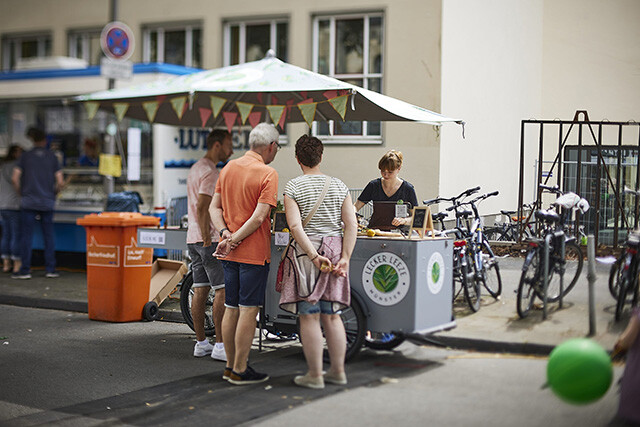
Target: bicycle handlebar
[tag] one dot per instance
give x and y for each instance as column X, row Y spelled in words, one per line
column 555, row 189
column 465, row 193
column 628, row 190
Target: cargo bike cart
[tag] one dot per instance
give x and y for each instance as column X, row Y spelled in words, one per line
column 274, row 91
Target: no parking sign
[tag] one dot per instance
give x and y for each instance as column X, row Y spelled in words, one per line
column 117, row 41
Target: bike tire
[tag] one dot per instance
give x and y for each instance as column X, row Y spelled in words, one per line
column 528, row 282
column 622, row 298
column 379, row 341
column 355, row 327
column 472, row 287
column 186, row 295
column 573, row 267
column 495, row 234
column 491, row 278
column 615, row 276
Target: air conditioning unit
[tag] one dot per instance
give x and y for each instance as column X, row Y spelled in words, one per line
column 50, row 63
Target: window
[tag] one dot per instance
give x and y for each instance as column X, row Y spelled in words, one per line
column 250, row 41
column 173, row 44
column 85, row 44
column 349, row 48
column 15, row 48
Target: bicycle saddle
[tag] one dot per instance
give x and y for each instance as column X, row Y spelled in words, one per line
column 439, row 216
column 464, row 214
column 547, row 215
column 508, row 213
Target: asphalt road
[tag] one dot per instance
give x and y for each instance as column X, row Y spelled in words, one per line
column 62, row 368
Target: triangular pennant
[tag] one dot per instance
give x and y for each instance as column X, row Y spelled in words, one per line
column 151, row 108
column 340, row 104
column 330, row 94
column 259, row 96
column 308, row 111
column 160, row 98
column 274, row 100
column 254, row 118
column 275, row 112
column 92, row 109
column 244, row 108
column 179, row 105
column 229, row 119
column 303, row 94
column 205, row 113
column 120, row 108
column 216, row 104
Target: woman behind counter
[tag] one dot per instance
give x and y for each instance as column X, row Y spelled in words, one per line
column 389, row 188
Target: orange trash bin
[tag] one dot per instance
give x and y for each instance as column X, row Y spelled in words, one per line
column 118, row 271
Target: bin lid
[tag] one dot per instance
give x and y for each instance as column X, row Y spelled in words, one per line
column 118, row 219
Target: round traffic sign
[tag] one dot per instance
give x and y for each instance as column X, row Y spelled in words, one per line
column 117, row 41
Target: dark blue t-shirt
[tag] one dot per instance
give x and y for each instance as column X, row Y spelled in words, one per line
column 373, row 191
column 38, row 181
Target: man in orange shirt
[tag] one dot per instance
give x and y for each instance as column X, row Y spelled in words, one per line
column 246, row 191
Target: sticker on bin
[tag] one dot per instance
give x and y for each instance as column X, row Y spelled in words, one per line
column 152, row 237
column 102, row 255
column 135, row 256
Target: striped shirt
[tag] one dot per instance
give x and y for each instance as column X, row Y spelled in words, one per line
column 305, row 190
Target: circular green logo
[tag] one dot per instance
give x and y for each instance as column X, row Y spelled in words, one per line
column 385, row 278
column 435, row 272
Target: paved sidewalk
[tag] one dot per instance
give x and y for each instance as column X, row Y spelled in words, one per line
column 496, row 327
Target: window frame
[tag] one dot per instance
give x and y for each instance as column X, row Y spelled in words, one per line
column 242, row 35
column 85, row 36
column 363, row 138
column 160, row 29
column 12, row 45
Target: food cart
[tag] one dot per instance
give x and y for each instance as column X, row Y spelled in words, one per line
column 399, row 287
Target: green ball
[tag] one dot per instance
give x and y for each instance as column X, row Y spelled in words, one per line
column 579, row 371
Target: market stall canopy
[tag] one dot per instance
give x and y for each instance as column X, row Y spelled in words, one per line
column 251, row 91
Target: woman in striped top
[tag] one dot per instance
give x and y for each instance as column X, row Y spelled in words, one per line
column 323, row 252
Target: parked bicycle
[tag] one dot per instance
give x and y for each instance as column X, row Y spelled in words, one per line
column 509, row 231
column 475, row 264
column 623, row 278
column 552, row 256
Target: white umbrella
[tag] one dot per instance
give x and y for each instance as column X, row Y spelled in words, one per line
column 252, row 91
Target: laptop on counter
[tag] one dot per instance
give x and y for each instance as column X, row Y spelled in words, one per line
column 384, row 212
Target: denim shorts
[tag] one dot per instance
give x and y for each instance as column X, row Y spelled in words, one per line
column 207, row 270
column 245, row 284
column 324, row 307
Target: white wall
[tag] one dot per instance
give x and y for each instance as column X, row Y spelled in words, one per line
column 491, row 78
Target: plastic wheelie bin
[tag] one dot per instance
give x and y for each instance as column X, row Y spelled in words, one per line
column 118, row 271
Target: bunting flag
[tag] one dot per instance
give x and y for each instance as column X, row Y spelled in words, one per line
column 259, row 96
column 330, row 94
column 275, row 112
column 308, row 111
column 216, row 104
column 179, row 105
column 244, row 108
column 151, row 108
column 205, row 113
column 229, row 119
column 254, row 118
column 340, row 104
column 92, row 109
column 120, row 108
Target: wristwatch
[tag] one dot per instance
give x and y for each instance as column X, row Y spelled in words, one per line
column 222, row 231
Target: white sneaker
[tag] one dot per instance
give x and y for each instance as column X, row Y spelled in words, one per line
column 202, row 350
column 219, row 354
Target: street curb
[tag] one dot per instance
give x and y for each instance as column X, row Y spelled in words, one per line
column 481, row 345
column 75, row 306
column 457, row 343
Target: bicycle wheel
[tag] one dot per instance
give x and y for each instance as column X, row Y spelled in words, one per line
column 491, row 278
column 383, row 341
column 495, row 234
column 615, row 276
column 459, row 274
column 186, row 296
column 355, row 327
column 572, row 269
column 472, row 286
column 528, row 283
column 622, row 298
